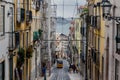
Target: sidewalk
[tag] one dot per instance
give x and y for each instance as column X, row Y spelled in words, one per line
column 75, row 76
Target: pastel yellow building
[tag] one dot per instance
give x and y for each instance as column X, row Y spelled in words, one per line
column 96, row 40
column 23, row 27
column 78, row 38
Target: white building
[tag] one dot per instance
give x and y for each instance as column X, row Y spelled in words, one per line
column 6, row 28
column 112, row 44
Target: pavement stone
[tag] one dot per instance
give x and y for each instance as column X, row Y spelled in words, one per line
column 75, row 76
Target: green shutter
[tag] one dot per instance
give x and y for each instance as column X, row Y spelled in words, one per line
column 35, row 35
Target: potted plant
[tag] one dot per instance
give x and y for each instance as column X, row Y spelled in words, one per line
column 40, row 32
column 20, row 58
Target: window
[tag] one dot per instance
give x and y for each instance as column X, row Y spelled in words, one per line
column 27, row 37
column 11, row 69
column 118, row 39
column 117, row 70
column 77, row 26
column 2, row 20
column 11, row 28
column 23, row 40
column 27, row 4
column 102, row 67
column 17, row 39
column 2, row 70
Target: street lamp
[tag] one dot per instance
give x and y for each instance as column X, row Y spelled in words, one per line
column 106, row 11
column 106, row 7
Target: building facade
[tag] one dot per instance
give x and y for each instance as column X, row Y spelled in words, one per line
column 96, row 41
column 112, row 28
column 6, row 39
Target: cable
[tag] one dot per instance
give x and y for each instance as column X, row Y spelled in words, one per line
column 63, row 40
column 64, row 5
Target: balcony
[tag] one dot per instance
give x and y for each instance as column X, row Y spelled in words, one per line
column 28, row 16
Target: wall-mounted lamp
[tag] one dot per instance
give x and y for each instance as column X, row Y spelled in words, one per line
column 106, row 7
column 106, row 11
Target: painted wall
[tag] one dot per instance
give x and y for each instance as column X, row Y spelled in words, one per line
column 4, row 40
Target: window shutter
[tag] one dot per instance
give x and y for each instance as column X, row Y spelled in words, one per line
column 1, row 20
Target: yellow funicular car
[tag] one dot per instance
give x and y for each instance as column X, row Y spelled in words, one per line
column 59, row 64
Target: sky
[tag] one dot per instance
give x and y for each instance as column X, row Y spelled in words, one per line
column 69, row 9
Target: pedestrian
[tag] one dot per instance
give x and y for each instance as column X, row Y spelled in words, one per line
column 44, row 71
column 74, row 68
column 70, row 67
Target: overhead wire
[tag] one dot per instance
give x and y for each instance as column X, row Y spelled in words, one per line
column 63, row 16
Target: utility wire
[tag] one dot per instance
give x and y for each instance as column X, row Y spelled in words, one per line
column 63, row 40
column 64, row 4
column 63, row 16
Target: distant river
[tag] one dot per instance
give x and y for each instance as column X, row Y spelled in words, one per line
column 63, row 28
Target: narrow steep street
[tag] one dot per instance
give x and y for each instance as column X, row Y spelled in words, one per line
column 63, row 74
